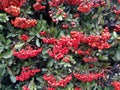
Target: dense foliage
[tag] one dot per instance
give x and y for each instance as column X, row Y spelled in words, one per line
column 60, row 45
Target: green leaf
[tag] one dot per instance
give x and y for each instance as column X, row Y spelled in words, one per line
column 18, row 87
column 100, row 20
column 108, row 3
column 100, row 10
column 30, row 38
column 8, row 54
column 32, row 85
column 28, row 10
column 67, row 65
column 2, row 38
column 1, row 27
column 115, row 35
column 10, row 61
column 19, row 45
column 37, row 42
column 70, row 85
column 40, row 80
column 45, row 50
column 3, row 17
column 2, row 69
column 117, row 55
column 41, row 25
column 44, row 70
column 60, row 18
column 7, row 42
column 1, row 49
column 61, row 34
column 50, row 63
column 37, row 34
column 53, row 31
column 103, row 57
column 10, row 27
column 9, row 71
column 13, row 78
column 38, row 26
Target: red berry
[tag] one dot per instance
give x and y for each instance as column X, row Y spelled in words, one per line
column 24, row 37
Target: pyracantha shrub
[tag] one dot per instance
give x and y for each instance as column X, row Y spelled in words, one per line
column 59, row 44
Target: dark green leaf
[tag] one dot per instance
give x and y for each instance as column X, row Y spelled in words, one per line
column 9, row 71
column 2, row 69
column 117, row 55
column 31, row 38
column 10, row 27
column 2, row 38
column 50, row 63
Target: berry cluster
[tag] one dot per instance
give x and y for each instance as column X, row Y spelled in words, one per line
column 77, row 38
column 100, row 41
column 95, row 41
column 73, row 2
column 11, row 6
column 118, row 1
column 91, row 65
column 26, row 53
column 77, row 88
column 23, row 22
column 7, row 3
column 116, row 85
column 49, row 40
column 51, row 13
column 51, row 80
column 82, row 52
column 88, row 77
column 56, row 12
column 51, row 88
column 76, row 15
column 85, row 4
column 24, row 37
column 90, row 59
column 25, row 87
column 17, row 3
column 98, row 3
column 60, row 48
column 117, row 12
column 117, row 28
column 65, row 26
column 55, row 3
column 38, row 5
column 43, row 33
column 84, row 8
column 65, row 44
column 66, row 59
column 13, row 10
column 26, row 73
column 73, row 24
